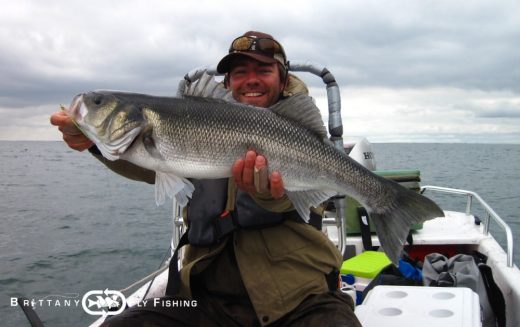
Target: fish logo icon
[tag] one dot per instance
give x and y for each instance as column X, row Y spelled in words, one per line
column 103, row 303
column 107, row 302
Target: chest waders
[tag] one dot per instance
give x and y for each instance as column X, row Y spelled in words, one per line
column 209, row 221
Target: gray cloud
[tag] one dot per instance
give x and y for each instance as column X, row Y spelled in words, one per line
column 425, row 44
column 504, row 112
column 52, row 50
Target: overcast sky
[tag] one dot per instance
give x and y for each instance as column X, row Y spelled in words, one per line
column 409, row 71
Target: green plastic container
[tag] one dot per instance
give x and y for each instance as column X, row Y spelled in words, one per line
column 366, row 265
column 408, row 178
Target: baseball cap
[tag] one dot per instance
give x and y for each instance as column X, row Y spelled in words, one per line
column 257, row 45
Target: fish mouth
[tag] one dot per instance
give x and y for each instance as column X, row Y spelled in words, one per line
column 77, row 109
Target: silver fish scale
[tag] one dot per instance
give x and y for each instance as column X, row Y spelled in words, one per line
column 202, row 136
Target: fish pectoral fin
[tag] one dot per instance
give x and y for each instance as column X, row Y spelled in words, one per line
column 303, row 200
column 172, row 186
column 149, row 142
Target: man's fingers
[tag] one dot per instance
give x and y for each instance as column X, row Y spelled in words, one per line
column 277, row 189
column 236, row 171
column 246, row 180
column 249, row 166
column 64, row 123
column 70, row 130
column 58, row 118
column 260, row 162
column 77, row 142
column 74, row 138
column 261, row 180
column 80, row 146
column 251, row 174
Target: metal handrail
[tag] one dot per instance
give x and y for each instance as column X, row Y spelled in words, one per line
column 489, row 211
column 335, row 130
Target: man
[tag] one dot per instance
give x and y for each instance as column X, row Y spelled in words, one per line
column 269, row 268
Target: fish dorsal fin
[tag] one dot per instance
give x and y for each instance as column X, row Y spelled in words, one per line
column 300, row 108
column 207, row 87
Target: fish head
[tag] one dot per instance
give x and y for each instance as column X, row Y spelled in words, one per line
column 109, row 119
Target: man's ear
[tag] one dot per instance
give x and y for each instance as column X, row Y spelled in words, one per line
column 226, row 81
column 285, row 83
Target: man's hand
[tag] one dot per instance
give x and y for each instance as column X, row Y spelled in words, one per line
column 74, row 138
column 251, row 175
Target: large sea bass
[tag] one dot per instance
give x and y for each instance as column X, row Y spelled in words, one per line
column 200, row 135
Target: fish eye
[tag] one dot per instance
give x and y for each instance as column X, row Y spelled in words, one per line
column 98, row 99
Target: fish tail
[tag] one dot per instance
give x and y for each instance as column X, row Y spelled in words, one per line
column 393, row 224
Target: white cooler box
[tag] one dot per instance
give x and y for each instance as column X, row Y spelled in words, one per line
column 402, row 306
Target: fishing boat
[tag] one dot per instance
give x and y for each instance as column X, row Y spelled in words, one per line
column 394, row 305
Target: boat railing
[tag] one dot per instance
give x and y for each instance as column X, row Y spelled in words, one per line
column 490, row 214
column 178, row 226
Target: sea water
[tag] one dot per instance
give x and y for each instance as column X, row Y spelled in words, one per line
column 68, row 225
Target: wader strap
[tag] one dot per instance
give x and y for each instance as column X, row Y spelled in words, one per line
column 225, row 224
column 315, row 220
column 409, row 238
column 366, row 234
column 173, row 286
column 364, row 228
column 333, row 279
column 231, row 194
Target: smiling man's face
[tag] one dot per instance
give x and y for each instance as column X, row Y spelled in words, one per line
column 254, row 82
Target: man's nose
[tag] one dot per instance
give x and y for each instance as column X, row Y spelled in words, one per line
column 252, row 78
